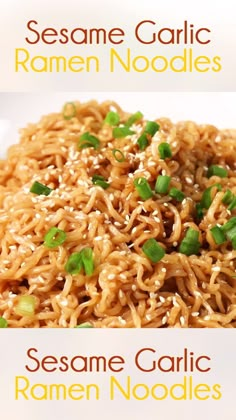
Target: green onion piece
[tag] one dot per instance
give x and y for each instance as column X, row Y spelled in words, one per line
column 87, row 140
column 69, row 111
column 87, row 260
column 199, row 211
column 25, row 306
column 162, row 184
column 143, row 188
column 40, row 189
column 218, row 235
column 143, row 141
column 74, row 263
column 234, row 244
column 3, row 322
column 228, row 197
column 232, row 205
column 176, row 194
column 118, row 155
column 112, row 118
column 54, row 237
column 84, row 325
column 100, row 181
column 119, row 132
column 153, row 250
column 151, row 128
column 134, row 118
column 190, row 245
column 206, row 196
column 231, row 233
column 229, row 225
column 217, row 171
column 164, row 150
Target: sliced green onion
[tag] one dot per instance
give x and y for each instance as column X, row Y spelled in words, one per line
column 74, row 263
column 3, row 322
column 234, row 244
column 112, row 118
column 25, row 306
column 151, row 128
column 143, row 141
column 54, row 237
column 100, row 181
column 199, row 211
column 143, row 188
column 232, row 205
column 120, row 132
column 134, row 118
column 162, row 184
column 153, row 250
column 218, row 235
column 118, row 155
column 217, row 171
column 69, row 111
column 231, row 233
column 190, row 245
column 228, row 197
column 176, row 194
column 87, row 140
column 87, row 260
column 164, row 150
column 84, row 325
column 229, row 225
column 206, row 196
column 40, row 189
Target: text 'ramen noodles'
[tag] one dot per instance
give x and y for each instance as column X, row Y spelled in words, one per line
column 108, row 220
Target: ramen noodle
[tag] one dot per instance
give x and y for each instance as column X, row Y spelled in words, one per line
column 111, row 221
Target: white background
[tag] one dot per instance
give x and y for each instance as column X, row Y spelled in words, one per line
column 217, row 15
column 219, row 345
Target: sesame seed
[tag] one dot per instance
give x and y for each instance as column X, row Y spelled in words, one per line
column 175, row 303
column 157, row 283
column 163, row 270
column 189, row 180
column 121, row 320
column 194, row 314
column 153, row 295
column 216, row 268
column 162, row 299
column 133, row 287
column 207, row 318
column 164, row 320
column 182, row 320
column 148, row 317
column 98, row 238
column 175, row 244
column 111, row 276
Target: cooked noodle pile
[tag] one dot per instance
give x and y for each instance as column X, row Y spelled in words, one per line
column 126, row 289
